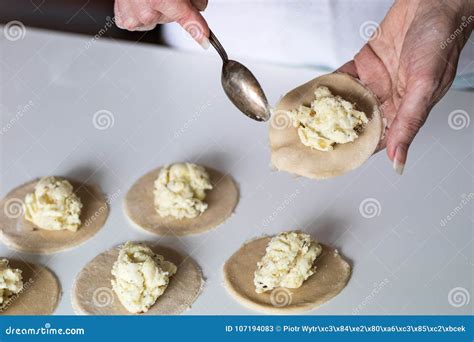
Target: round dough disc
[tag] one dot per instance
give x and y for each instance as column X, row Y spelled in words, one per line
column 140, row 209
column 288, row 152
column 22, row 235
column 41, row 291
column 92, row 292
column 331, row 276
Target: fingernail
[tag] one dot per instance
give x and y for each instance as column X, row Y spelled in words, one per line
column 399, row 160
column 205, row 43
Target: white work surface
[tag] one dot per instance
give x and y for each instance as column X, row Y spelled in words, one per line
column 169, row 107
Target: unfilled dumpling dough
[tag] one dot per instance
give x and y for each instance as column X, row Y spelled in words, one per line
column 288, row 152
column 331, row 276
column 41, row 291
column 92, row 292
column 221, row 200
column 20, row 234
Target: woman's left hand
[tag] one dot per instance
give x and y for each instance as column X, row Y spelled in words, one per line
column 410, row 62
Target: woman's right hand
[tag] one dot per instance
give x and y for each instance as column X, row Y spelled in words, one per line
column 144, row 15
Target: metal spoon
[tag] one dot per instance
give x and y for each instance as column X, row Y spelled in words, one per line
column 241, row 86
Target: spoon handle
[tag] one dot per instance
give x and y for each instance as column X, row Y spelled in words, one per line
column 217, row 45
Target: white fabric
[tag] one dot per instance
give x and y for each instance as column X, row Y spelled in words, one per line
column 322, row 33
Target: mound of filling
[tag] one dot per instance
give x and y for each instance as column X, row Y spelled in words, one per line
column 11, row 283
column 288, row 262
column 140, row 276
column 53, row 205
column 329, row 120
column 180, row 190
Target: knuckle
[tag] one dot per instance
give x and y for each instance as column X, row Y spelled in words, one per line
column 147, row 17
column 183, row 18
column 119, row 22
column 412, row 124
column 131, row 24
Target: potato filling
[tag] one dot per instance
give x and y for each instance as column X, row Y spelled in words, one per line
column 329, row 120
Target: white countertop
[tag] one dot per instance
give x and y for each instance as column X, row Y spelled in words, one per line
column 169, row 106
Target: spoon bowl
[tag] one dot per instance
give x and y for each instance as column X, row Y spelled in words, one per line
column 241, row 86
column 243, row 89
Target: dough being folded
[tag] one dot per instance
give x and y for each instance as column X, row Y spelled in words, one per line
column 289, row 154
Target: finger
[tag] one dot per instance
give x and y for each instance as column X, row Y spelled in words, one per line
column 125, row 17
column 119, row 19
column 349, row 68
column 162, row 19
column 146, row 15
column 145, row 28
column 199, row 4
column 411, row 115
column 189, row 18
column 197, row 28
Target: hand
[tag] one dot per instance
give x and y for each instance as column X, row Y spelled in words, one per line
column 409, row 63
column 144, row 15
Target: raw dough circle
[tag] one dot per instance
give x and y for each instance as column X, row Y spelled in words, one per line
column 92, row 293
column 140, row 209
column 22, row 235
column 331, row 276
column 289, row 154
column 41, row 291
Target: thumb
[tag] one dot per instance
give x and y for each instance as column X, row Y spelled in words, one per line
column 190, row 19
column 411, row 115
column 195, row 24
